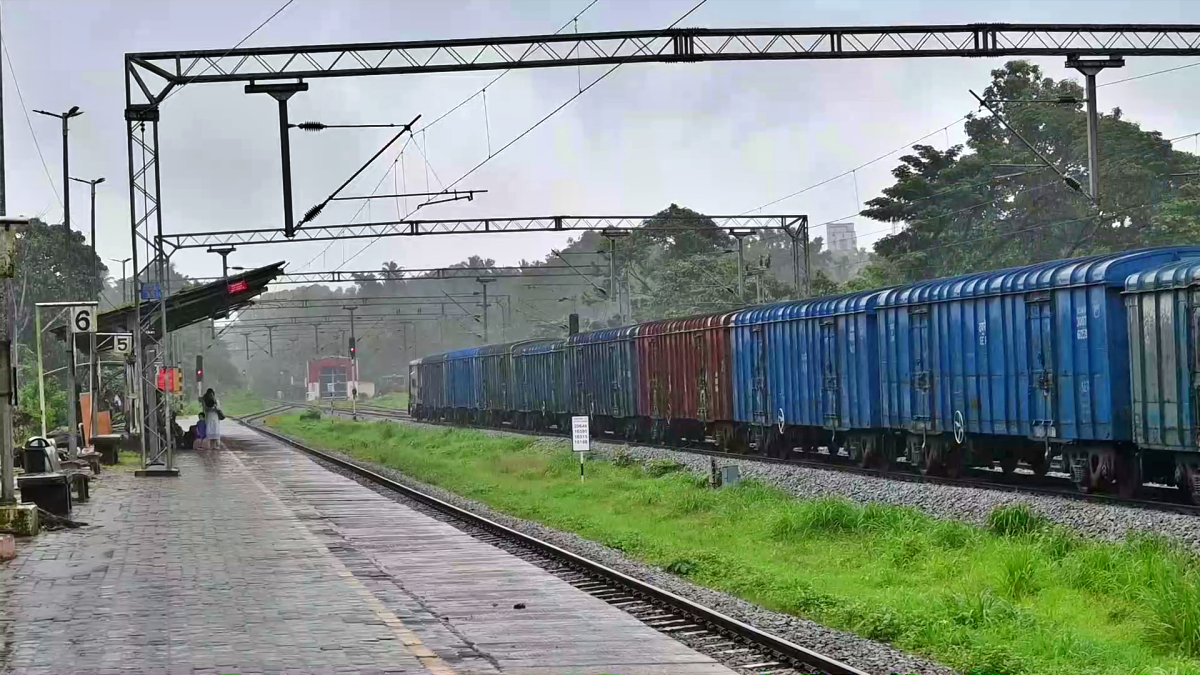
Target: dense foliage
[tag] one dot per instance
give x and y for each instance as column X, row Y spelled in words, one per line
column 993, row 203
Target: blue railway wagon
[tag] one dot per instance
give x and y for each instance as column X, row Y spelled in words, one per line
column 540, row 383
column 464, row 382
column 427, row 386
column 495, row 367
column 1162, row 309
column 803, row 370
column 1008, row 364
column 603, row 367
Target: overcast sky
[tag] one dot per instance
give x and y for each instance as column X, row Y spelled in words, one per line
column 718, row 138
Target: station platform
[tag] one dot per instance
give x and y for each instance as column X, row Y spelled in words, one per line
column 259, row 560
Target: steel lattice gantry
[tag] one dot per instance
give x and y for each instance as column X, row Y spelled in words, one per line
column 413, row 228
column 156, row 73
column 150, row 77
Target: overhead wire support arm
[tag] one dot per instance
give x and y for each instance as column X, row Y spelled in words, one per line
column 316, row 210
column 458, row 194
column 460, row 306
column 1069, row 181
column 600, row 289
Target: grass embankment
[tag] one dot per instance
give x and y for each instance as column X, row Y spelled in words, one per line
column 241, row 402
column 396, row 400
column 1017, row 596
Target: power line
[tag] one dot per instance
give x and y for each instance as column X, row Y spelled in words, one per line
column 1157, row 72
column 426, row 127
column 29, row 122
column 552, row 113
column 213, row 63
column 852, row 171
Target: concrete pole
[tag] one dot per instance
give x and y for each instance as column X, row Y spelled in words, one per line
column 1093, row 132
column 66, row 185
column 37, row 329
column 1090, row 68
column 8, row 384
column 72, row 397
column 93, row 359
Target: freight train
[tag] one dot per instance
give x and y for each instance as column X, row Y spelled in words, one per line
column 1092, row 360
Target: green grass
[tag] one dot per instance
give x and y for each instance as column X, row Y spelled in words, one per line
column 241, row 402
column 397, row 400
column 1018, row 596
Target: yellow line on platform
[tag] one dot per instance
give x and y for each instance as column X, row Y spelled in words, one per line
column 412, row 643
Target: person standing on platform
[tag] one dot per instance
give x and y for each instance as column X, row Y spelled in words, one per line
column 212, row 419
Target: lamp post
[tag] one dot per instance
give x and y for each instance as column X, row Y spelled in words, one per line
column 93, row 365
column 95, row 261
column 73, row 112
column 124, row 281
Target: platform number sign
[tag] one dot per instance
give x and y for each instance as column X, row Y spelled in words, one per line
column 122, row 344
column 83, row 319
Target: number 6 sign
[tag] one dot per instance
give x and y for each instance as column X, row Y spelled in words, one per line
column 83, row 319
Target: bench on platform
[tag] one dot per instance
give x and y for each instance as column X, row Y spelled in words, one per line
column 50, row 491
column 109, row 447
column 91, row 460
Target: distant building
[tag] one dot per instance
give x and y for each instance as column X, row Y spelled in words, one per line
column 842, row 237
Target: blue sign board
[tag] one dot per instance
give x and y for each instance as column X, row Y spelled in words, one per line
column 151, row 291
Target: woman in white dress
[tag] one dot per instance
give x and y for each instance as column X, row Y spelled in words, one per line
column 212, row 419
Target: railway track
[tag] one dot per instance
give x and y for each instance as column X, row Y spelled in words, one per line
column 1067, row 491
column 738, row 645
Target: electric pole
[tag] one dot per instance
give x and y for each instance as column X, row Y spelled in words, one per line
column 741, row 235
column 484, row 281
column 1090, row 68
column 353, row 365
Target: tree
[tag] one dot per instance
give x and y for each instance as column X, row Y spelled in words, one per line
column 993, row 204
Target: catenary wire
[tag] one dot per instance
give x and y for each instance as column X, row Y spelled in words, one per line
column 21, row 98
column 439, row 118
column 538, row 123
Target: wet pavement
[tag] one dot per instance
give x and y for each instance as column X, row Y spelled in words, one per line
column 258, row 560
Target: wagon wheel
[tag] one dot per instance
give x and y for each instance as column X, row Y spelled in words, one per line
column 868, row 455
column 960, row 427
column 931, row 460
column 1008, row 463
column 1039, row 464
column 1129, row 476
column 1191, row 482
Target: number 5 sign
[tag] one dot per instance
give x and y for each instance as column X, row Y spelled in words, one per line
column 83, row 319
column 122, row 343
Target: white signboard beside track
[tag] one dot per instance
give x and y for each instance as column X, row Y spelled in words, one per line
column 122, row 343
column 83, row 319
column 580, row 437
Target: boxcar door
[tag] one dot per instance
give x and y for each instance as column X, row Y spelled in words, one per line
column 701, row 351
column 1040, row 315
column 829, row 373
column 1194, row 360
column 758, row 352
column 922, row 367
